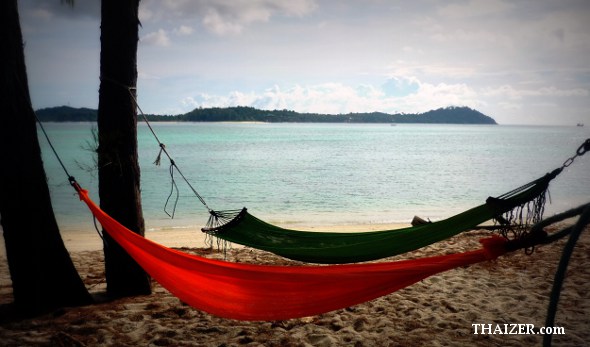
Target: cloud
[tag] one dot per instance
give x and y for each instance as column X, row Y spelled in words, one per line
column 400, row 86
column 50, row 9
column 221, row 17
column 331, row 56
column 474, row 8
column 183, row 30
column 410, row 70
column 508, row 91
column 224, row 17
column 335, row 98
column 156, row 38
column 216, row 23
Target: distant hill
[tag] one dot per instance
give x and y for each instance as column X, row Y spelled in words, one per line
column 67, row 114
column 448, row 115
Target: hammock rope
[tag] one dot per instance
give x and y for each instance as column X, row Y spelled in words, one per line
column 173, row 166
column 162, row 146
column 516, row 223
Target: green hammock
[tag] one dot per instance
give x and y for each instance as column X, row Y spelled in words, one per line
column 241, row 227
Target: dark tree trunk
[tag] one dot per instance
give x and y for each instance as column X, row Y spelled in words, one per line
column 43, row 275
column 119, row 175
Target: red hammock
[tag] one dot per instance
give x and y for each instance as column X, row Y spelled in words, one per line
column 261, row 292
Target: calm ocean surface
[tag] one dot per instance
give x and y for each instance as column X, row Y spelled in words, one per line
column 327, row 174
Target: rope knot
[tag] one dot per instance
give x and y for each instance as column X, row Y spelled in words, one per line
column 159, row 157
column 494, row 246
column 74, row 184
column 585, row 147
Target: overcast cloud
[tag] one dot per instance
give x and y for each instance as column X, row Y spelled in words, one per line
column 520, row 62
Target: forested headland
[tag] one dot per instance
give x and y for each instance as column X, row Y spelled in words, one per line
column 447, row 115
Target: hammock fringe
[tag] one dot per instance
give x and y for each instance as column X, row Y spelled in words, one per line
column 515, row 224
column 218, row 219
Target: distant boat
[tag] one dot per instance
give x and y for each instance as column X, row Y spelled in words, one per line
column 580, row 124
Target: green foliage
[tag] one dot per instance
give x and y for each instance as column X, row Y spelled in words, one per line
column 67, row 114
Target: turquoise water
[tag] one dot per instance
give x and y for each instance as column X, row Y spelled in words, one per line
column 327, row 174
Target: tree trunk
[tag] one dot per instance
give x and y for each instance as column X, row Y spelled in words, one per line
column 119, row 175
column 43, row 275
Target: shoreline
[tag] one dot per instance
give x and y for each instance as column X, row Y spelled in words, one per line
column 77, row 240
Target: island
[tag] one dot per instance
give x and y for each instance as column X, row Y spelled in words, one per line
column 446, row 115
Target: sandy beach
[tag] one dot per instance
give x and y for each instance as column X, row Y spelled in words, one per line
column 438, row 311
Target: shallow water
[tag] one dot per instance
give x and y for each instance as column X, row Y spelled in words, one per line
column 326, row 174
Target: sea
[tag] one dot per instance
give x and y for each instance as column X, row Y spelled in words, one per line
column 299, row 175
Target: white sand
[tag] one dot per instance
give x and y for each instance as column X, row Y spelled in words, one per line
column 438, row 311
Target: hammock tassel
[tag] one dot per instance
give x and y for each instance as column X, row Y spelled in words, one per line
column 516, row 223
column 221, row 218
column 159, row 157
column 218, row 219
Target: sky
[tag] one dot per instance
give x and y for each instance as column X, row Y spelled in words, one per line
column 519, row 62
